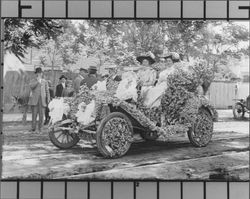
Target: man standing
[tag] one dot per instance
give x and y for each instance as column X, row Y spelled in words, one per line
column 91, row 78
column 61, row 86
column 77, row 82
column 39, row 98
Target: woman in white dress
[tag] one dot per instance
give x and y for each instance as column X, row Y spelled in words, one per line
column 137, row 80
column 147, row 76
column 153, row 97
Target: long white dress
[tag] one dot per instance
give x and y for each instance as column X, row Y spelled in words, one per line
column 127, row 87
column 153, row 95
column 147, row 79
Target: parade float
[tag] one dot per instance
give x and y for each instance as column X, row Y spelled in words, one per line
column 112, row 113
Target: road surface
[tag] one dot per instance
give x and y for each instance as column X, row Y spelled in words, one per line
column 30, row 155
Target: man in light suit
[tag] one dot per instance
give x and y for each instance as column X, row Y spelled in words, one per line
column 39, row 98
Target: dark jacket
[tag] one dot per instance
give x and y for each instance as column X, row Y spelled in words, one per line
column 68, row 92
column 59, row 90
column 77, row 83
column 51, row 93
column 89, row 80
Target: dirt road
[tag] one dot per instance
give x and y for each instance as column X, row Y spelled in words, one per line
column 28, row 155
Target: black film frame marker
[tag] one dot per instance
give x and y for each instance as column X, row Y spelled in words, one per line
column 112, row 9
column 204, row 190
column 43, row 7
column 181, row 10
column 66, row 8
column 245, row 8
column 41, row 191
column 228, row 10
column 21, row 7
column 205, row 10
column 112, row 190
column 88, row 191
column 181, row 189
column 65, row 189
column 158, row 9
column 135, row 7
column 158, row 190
column 18, row 189
column 89, row 8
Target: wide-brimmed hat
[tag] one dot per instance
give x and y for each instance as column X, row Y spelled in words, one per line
column 148, row 56
column 92, row 68
column 63, row 76
column 38, row 70
column 83, row 69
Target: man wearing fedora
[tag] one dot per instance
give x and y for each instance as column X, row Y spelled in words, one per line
column 60, row 87
column 91, row 78
column 39, row 98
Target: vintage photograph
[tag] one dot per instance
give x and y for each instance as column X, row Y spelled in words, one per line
column 126, row 99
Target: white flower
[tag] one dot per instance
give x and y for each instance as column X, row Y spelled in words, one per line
column 85, row 114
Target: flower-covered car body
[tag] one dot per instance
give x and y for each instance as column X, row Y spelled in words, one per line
column 112, row 117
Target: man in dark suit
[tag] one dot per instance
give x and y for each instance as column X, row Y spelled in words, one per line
column 77, row 82
column 39, row 98
column 91, row 78
column 61, row 86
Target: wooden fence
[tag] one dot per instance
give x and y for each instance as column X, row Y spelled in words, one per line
column 222, row 94
column 16, row 84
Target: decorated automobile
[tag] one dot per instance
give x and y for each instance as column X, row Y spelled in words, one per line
column 112, row 112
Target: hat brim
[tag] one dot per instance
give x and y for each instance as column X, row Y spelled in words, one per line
column 141, row 58
column 169, row 56
column 63, row 77
column 38, row 70
column 92, row 68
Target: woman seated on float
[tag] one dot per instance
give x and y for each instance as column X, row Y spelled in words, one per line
column 153, row 95
column 137, row 78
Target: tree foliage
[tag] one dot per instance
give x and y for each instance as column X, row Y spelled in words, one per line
column 121, row 41
column 21, row 34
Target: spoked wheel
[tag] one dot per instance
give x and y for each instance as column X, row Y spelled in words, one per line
column 201, row 131
column 114, row 135
column 63, row 139
column 238, row 111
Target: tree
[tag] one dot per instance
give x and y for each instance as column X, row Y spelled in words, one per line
column 21, row 34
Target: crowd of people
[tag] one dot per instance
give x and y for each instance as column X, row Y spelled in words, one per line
column 41, row 92
column 152, row 83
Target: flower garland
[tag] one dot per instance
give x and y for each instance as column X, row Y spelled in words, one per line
column 179, row 106
column 84, row 95
column 181, row 101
